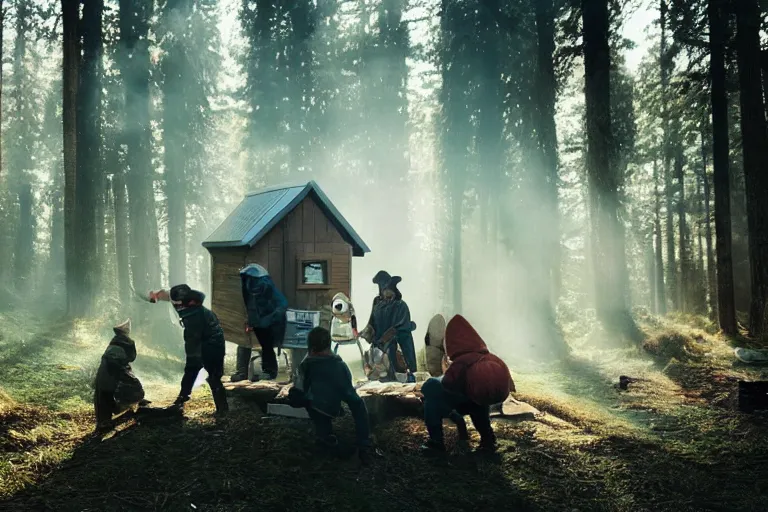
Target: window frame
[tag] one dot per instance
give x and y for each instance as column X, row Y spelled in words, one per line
column 307, row 258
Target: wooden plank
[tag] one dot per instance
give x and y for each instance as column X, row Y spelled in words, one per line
column 308, row 220
column 332, row 234
column 321, row 225
column 275, row 237
column 287, row 411
column 222, row 256
column 332, row 247
column 275, row 266
column 259, row 254
column 293, row 225
column 513, row 409
column 290, row 284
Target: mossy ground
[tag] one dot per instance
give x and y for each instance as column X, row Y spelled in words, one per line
column 672, row 441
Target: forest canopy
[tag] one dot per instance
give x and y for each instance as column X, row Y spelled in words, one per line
column 502, row 157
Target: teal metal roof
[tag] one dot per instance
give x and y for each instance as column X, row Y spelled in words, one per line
column 260, row 211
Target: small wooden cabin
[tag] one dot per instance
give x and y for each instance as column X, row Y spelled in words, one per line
column 298, row 235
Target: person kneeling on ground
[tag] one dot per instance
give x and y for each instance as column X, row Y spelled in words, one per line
column 324, row 382
column 116, row 387
column 474, row 381
column 203, row 345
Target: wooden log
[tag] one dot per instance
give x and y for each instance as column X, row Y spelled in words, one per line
column 385, row 401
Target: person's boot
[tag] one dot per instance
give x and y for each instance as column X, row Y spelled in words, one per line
column 220, row 400
column 432, row 447
column 104, row 426
column 243, row 360
column 178, row 404
column 265, row 374
column 487, row 443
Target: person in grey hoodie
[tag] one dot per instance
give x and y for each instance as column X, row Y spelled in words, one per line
column 324, row 383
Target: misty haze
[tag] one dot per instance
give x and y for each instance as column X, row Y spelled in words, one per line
column 255, row 253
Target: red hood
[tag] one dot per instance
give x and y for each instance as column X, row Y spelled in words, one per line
column 461, row 338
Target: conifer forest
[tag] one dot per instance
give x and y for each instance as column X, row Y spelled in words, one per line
column 579, row 179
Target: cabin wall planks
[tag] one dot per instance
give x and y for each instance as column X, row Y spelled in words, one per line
column 304, row 231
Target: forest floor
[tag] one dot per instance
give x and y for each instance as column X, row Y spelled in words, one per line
column 673, row 441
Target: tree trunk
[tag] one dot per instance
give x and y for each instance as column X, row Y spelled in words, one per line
column 102, row 201
column 89, row 168
column 665, row 63
column 661, row 296
column 763, row 67
column 175, row 133
column 20, row 163
column 144, row 243
column 700, row 223
column 711, row 278
column 685, row 256
column 720, row 161
column 2, row 33
column 71, row 64
column 755, row 151
column 456, row 250
column 120, row 207
column 546, row 97
column 650, row 268
column 608, row 250
column 25, row 249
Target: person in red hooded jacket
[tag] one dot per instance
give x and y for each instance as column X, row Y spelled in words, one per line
column 475, row 380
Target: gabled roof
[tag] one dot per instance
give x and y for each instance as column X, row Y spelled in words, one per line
column 260, row 211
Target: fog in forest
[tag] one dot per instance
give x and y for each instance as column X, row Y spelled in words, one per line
column 461, row 161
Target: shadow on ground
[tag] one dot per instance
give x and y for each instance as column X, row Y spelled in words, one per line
column 249, row 462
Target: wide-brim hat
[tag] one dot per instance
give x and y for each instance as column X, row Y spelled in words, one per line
column 381, row 278
column 392, row 284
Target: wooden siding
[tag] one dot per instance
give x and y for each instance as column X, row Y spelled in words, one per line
column 226, row 297
column 305, row 230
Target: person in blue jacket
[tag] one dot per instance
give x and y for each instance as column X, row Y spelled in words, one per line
column 392, row 326
column 265, row 307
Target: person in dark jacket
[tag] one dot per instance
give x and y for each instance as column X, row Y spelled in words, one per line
column 381, row 279
column 116, row 388
column 203, row 345
column 324, row 383
column 265, row 307
column 392, row 327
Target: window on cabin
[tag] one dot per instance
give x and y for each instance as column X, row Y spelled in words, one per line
column 314, row 272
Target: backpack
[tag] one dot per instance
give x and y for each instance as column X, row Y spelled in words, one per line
column 483, row 378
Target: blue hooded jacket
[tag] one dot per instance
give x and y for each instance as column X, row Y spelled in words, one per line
column 264, row 303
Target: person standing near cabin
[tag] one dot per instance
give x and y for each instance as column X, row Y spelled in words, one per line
column 116, row 388
column 392, row 327
column 265, row 308
column 203, row 343
column 381, row 279
column 474, row 381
